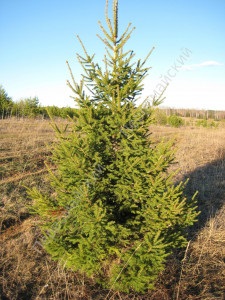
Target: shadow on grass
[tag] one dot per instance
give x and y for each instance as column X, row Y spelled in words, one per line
column 201, row 265
column 209, row 181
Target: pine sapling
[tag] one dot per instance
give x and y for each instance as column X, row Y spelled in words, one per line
column 115, row 213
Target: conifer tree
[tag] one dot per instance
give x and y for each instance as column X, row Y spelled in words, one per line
column 115, row 214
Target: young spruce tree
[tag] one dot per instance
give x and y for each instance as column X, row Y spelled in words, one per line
column 115, row 214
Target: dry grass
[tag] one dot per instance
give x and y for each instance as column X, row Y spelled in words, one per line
column 27, row 272
column 203, row 274
column 24, row 146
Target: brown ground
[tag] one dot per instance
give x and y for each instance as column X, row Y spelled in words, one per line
column 26, row 272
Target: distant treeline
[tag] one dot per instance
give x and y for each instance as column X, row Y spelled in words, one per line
column 195, row 113
column 31, row 108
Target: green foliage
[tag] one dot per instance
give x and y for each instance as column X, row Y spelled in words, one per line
column 53, row 111
column 175, row 121
column 207, row 123
column 28, row 107
column 61, row 112
column 114, row 213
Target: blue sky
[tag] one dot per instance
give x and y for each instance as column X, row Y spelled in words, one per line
column 37, row 37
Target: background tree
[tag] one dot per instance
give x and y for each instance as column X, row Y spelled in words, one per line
column 114, row 214
column 5, row 103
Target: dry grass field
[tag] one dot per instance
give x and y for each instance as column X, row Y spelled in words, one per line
column 27, row 272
